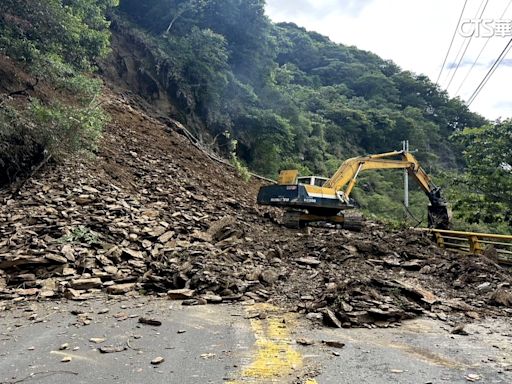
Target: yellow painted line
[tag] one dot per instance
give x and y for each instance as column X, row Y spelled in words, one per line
column 275, row 358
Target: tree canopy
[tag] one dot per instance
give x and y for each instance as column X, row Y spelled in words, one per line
column 486, row 196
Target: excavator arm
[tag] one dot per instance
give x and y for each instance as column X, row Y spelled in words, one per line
column 345, row 179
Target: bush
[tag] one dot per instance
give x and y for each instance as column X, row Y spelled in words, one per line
column 29, row 135
column 18, row 148
column 65, row 129
column 241, row 169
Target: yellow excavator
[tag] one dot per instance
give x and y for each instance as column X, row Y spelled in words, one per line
column 318, row 199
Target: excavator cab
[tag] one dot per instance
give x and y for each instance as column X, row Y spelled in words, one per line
column 312, row 180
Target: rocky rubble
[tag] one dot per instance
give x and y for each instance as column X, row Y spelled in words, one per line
column 152, row 214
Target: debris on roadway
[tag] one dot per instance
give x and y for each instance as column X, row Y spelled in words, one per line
column 171, row 221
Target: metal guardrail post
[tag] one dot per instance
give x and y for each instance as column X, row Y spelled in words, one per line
column 439, row 240
column 475, row 246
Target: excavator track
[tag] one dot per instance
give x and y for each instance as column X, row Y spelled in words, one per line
column 353, row 223
column 292, row 219
column 299, row 219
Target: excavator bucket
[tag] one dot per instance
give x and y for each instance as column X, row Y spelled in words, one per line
column 439, row 216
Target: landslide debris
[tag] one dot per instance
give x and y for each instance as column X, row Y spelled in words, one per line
column 151, row 213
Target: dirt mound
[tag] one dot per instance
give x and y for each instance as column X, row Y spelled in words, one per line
column 153, row 214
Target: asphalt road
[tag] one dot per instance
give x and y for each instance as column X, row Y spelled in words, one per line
column 420, row 352
column 199, row 345
column 231, row 344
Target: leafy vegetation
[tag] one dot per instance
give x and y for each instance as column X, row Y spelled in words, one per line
column 485, row 191
column 80, row 234
column 73, row 31
column 56, row 42
column 240, row 168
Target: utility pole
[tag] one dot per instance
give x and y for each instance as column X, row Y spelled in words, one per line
column 406, row 176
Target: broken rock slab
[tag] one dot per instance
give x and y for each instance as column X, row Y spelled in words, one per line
column 120, row 289
column 164, row 238
column 85, row 284
column 502, row 297
column 3, row 283
column 77, row 295
column 181, row 294
column 212, row 299
column 330, row 318
column 311, row 261
column 133, row 254
column 269, row 276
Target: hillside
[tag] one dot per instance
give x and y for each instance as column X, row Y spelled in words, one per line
column 264, row 96
column 290, row 98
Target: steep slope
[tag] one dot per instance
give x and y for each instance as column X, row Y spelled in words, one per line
column 152, row 213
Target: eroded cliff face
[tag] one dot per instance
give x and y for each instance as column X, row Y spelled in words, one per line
column 133, row 67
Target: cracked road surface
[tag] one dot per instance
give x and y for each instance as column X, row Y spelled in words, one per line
column 234, row 344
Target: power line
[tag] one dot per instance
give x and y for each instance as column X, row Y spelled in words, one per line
column 451, row 43
column 480, row 53
column 473, row 66
column 491, row 71
column 489, row 74
column 478, row 15
column 450, row 70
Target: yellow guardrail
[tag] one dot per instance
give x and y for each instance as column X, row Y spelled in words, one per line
column 475, row 243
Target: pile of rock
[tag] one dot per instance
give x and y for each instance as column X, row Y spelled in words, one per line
column 152, row 214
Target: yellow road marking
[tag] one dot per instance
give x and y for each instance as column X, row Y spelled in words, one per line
column 275, row 358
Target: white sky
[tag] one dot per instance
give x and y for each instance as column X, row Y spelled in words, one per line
column 415, row 34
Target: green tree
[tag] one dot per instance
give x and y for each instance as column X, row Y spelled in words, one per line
column 182, row 8
column 487, row 196
column 74, row 30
